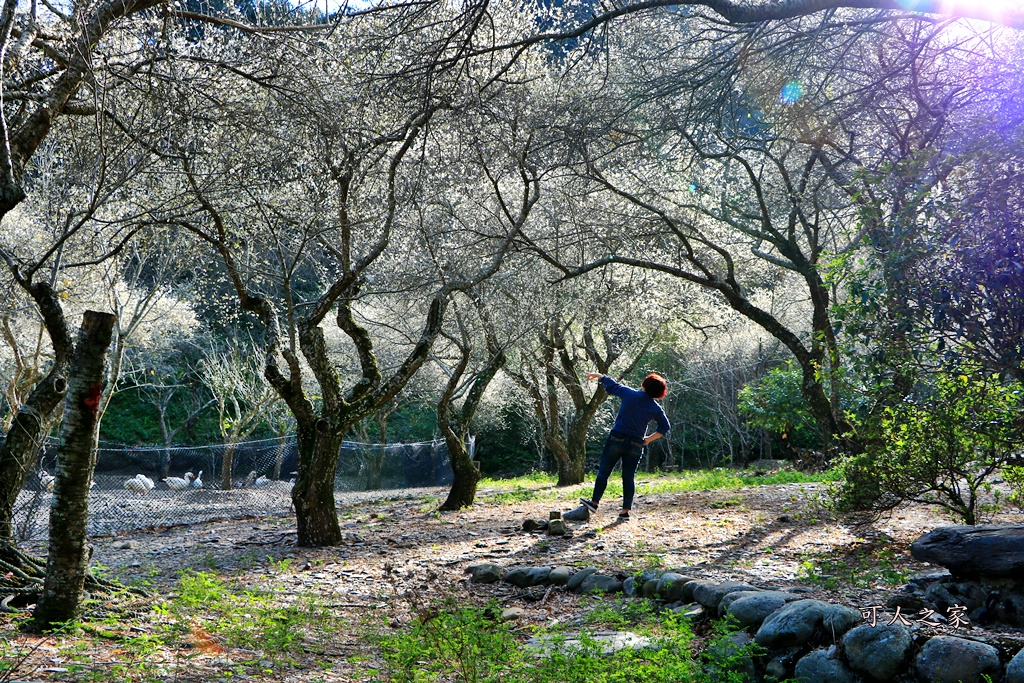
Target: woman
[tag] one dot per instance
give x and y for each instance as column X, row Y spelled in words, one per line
column 627, row 438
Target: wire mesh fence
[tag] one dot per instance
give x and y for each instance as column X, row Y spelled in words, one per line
column 143, row 487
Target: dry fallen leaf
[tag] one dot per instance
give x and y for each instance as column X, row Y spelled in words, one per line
column 203, row 641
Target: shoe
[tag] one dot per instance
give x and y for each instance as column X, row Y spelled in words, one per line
column 580, row 514
column 589, row 504
column 624, row 516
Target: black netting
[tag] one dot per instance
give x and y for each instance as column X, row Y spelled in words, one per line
column 188, row 487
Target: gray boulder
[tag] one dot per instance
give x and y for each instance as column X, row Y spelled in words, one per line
column 559, row 576
column 579, row 514
column 710, row 594
column 650, row 588
column 629, row 586
column 670, row 586
column 797, row 623
column 538, row 576
column 484, row 572
column 878, row 652
column 525, row 577
column 577, row 579
column 751, row 609
column 973, row 551
column 945, row 659
column 690, row 586
column 820, row 667
column 946, row 594
column 556, row 527
column 600, row 583
column 1015, row 669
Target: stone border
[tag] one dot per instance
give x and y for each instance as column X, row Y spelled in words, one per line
column 812, row 640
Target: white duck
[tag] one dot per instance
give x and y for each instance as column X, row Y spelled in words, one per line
column 260, row 482
column 46, row 480
column 198, row 482
column 179, row 483
column 140, row 483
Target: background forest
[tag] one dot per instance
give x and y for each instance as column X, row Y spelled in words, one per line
column 429, row 220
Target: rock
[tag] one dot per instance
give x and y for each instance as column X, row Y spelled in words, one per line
column 908, row 604
column 629, row 586
column 973, row 551
column 820, row 667
column 781, row 663
column 751, row 609
column 692, row 611
column 944, row 595
column 922, row 579
column 601, row 583
column 127, row 545
column 878, row 652
column 838, row 619
column 525, row 577
column 710, row 594
column 513, row 613
column 1015, row 669
column 538, row 576
column 484, row 572
column 670, row 587
column 554, row 514
column 559, row 576
column 610, row 642
column 556, row 527
column 798, row 622
column 580, row 514
column 530, row 524
column 576, row 580
column 690, row 586
column 650, row 588
column 945, row 659
column 1008, row 607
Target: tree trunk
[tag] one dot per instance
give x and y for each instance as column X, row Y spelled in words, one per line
column 316, row 515
column 227, row 463
column 30, row 425
column 68, row 559
column 463, row 490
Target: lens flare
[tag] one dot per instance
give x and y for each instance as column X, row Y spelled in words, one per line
column 791, row 92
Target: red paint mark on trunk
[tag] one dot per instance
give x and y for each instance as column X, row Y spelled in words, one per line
column 92, row 398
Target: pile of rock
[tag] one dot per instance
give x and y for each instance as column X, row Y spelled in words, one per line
column 984, row 574
column 811, row 640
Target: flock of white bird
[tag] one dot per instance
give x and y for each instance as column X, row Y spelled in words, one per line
column 140, row 483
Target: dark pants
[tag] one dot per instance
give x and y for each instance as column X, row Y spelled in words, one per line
column 619, row 448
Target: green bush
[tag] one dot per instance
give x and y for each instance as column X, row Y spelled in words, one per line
column 937, row 447
column 776, row 404
column 1015, row 478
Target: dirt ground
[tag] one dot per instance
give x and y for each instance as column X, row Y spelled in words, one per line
column 398, row 550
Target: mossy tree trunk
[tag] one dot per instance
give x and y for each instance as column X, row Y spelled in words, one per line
column 68, row 558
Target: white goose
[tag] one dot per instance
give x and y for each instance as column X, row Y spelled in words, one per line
column 198, row 483
column 179, row 483
column 140, row 483
column 46, row 480
column 261, row 481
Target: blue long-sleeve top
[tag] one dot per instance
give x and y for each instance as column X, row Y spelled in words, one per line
column 636, row 411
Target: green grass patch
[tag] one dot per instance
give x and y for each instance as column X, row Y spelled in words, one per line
column 469, row 645
column 542, row 487
column 865, row 566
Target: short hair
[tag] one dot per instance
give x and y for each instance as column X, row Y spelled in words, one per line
column 655, row 385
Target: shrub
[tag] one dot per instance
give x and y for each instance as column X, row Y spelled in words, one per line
column 938, row 447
